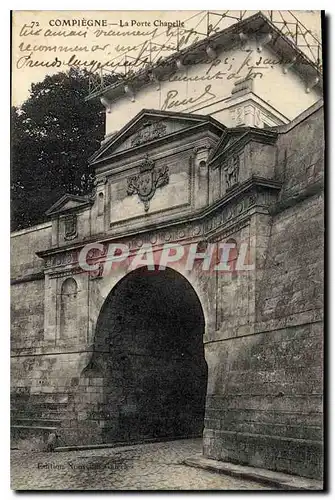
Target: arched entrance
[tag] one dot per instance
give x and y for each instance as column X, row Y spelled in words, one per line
column 149, row 341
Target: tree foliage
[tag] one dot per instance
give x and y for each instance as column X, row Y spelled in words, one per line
column 54, row 133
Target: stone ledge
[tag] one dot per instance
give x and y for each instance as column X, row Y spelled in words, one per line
column 277, row 479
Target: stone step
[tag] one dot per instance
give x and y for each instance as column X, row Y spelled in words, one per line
column 278, row 479
column 53, row 414
column 30, row 437
column 48, row 418
column 45, row 410
column 31, row 402
column 33, row 428
column 35, row 436
column 39, row 399
column 37, row 421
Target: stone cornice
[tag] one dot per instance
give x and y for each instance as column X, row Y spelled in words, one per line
column 197, row 122
column 197, row 216
column 26, row 279
column 167, row 139
column 31, row 229
column 165, row 150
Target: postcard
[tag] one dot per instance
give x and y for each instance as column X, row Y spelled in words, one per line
column 167, row 222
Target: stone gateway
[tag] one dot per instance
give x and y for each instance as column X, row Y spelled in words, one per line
column 141, row 354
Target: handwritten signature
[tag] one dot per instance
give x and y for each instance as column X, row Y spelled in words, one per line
column 172, row 102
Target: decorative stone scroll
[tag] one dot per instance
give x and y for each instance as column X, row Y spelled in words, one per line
column 97, row 274
column 147, row 181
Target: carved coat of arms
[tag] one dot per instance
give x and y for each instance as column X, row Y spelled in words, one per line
column 148, row 132
column 70, row 227
column 147, row 181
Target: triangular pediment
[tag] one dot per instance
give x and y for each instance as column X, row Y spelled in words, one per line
column 235, row 139
column 148, row 127
column 69, row 203
column 229, row 137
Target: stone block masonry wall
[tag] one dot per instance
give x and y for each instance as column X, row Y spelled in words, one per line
column 291, row 283
column 264, row 408
column 300, row 157
column 27, row 291
column 290, row 280
column 264, row 402
column 24, row 245
column 43, row 395
column 35, row 400
column 27, row 313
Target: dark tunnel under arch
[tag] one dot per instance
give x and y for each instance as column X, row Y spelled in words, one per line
column 149, row 341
